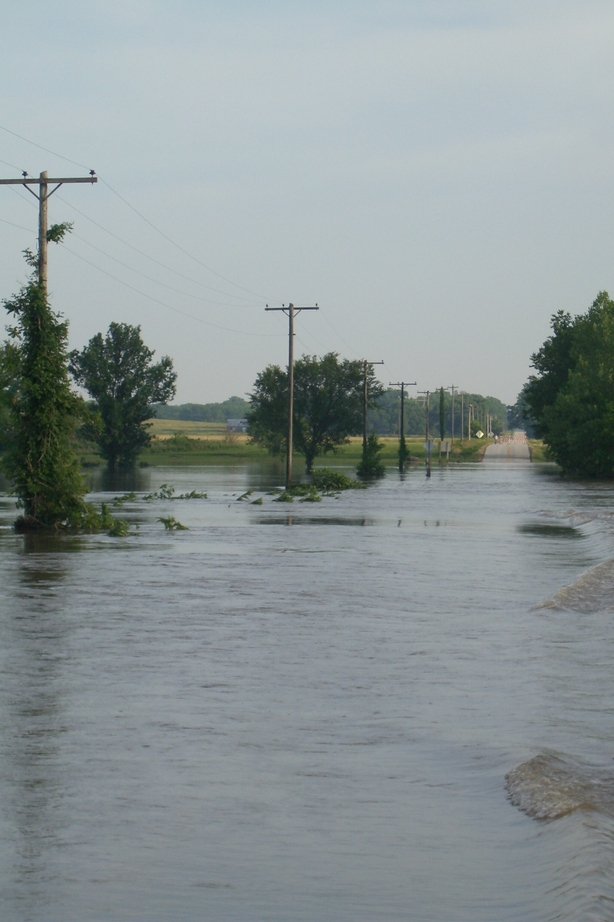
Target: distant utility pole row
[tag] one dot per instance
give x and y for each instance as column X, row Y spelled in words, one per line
column 43, row 195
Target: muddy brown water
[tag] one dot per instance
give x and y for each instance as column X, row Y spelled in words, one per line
column 394, row 704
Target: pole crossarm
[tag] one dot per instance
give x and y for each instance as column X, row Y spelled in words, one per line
column 37, row 182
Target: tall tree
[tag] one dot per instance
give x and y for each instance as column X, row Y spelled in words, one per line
column 43, row 413
column 118, row 373
column 328, row 394
column 571, row 398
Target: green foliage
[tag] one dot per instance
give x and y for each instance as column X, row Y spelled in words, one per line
column 43, row 415
column 118, row 373
column 57, row 232
column 171, row 523
column 519, row 417
column 285, row 497
column 370, row 465
column 328, row 395
column 165, row 492
column 334, row 481
column 571, row 398
column 403, row 451
column 168, row 492
column 126, row 498
column 233, row 408
column 9, row 388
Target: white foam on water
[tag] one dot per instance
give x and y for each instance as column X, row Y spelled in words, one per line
column 592, row 591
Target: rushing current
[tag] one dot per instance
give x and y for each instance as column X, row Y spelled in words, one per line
column 396, row 704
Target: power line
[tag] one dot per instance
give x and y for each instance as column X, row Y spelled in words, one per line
column 164, row 304
column 40, row 147
column 152, row 258
column 149, row 278
column 20, row 226
column 136, row 211
column 179, row 247
column 12, row 166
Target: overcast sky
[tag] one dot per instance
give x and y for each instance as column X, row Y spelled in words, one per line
column 437, row 176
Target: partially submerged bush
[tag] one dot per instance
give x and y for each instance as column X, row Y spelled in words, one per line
column 370, row 466
column 333, row 481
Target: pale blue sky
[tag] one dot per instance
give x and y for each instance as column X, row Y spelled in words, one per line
column 436, row 175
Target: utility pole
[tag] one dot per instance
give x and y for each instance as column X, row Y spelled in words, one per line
column 402, row 385
column 365, row 400
column 469, row 421
column 291, row 311
column 43, row 195
column 427, row 459
column 452, row 388
column 462, row 414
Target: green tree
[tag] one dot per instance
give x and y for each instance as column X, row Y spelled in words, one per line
column 328, row 395
column 371, row 465
column 9, row 388
column 118, row 373
column 571, row 398
column 43, row 414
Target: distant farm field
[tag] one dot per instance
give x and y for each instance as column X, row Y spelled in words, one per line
column 165, row 428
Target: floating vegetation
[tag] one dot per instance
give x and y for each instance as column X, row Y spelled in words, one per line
column 119, row 529
column 244, row 495
column 126, row 498
column 330, row 482
column 168, row 492
column 257, row 502
column 312, row 496
column 171, row 523
column 285, row 497
column 165, row 492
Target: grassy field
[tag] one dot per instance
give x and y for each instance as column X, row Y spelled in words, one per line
column 187, row 442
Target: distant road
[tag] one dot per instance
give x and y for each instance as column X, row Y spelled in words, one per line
column 516, row 449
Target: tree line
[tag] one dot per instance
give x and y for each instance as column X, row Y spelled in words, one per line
column 569, row 401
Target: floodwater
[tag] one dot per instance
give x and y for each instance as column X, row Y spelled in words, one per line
column 396, row 704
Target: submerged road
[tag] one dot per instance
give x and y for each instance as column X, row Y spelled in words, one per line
column 515, row 450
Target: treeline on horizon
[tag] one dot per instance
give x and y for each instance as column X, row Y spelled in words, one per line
column 384, row 420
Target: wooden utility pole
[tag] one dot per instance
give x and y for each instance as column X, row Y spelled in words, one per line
column 462, row 414
column 402, row 385
column 452, row 388
column 427, row 448
column 291, row 311
column 365, row 401
column 43, row 195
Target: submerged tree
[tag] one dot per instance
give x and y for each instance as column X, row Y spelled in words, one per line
column 43, row 414
column 117, row 371
column 328, row 405
column 371, row 466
